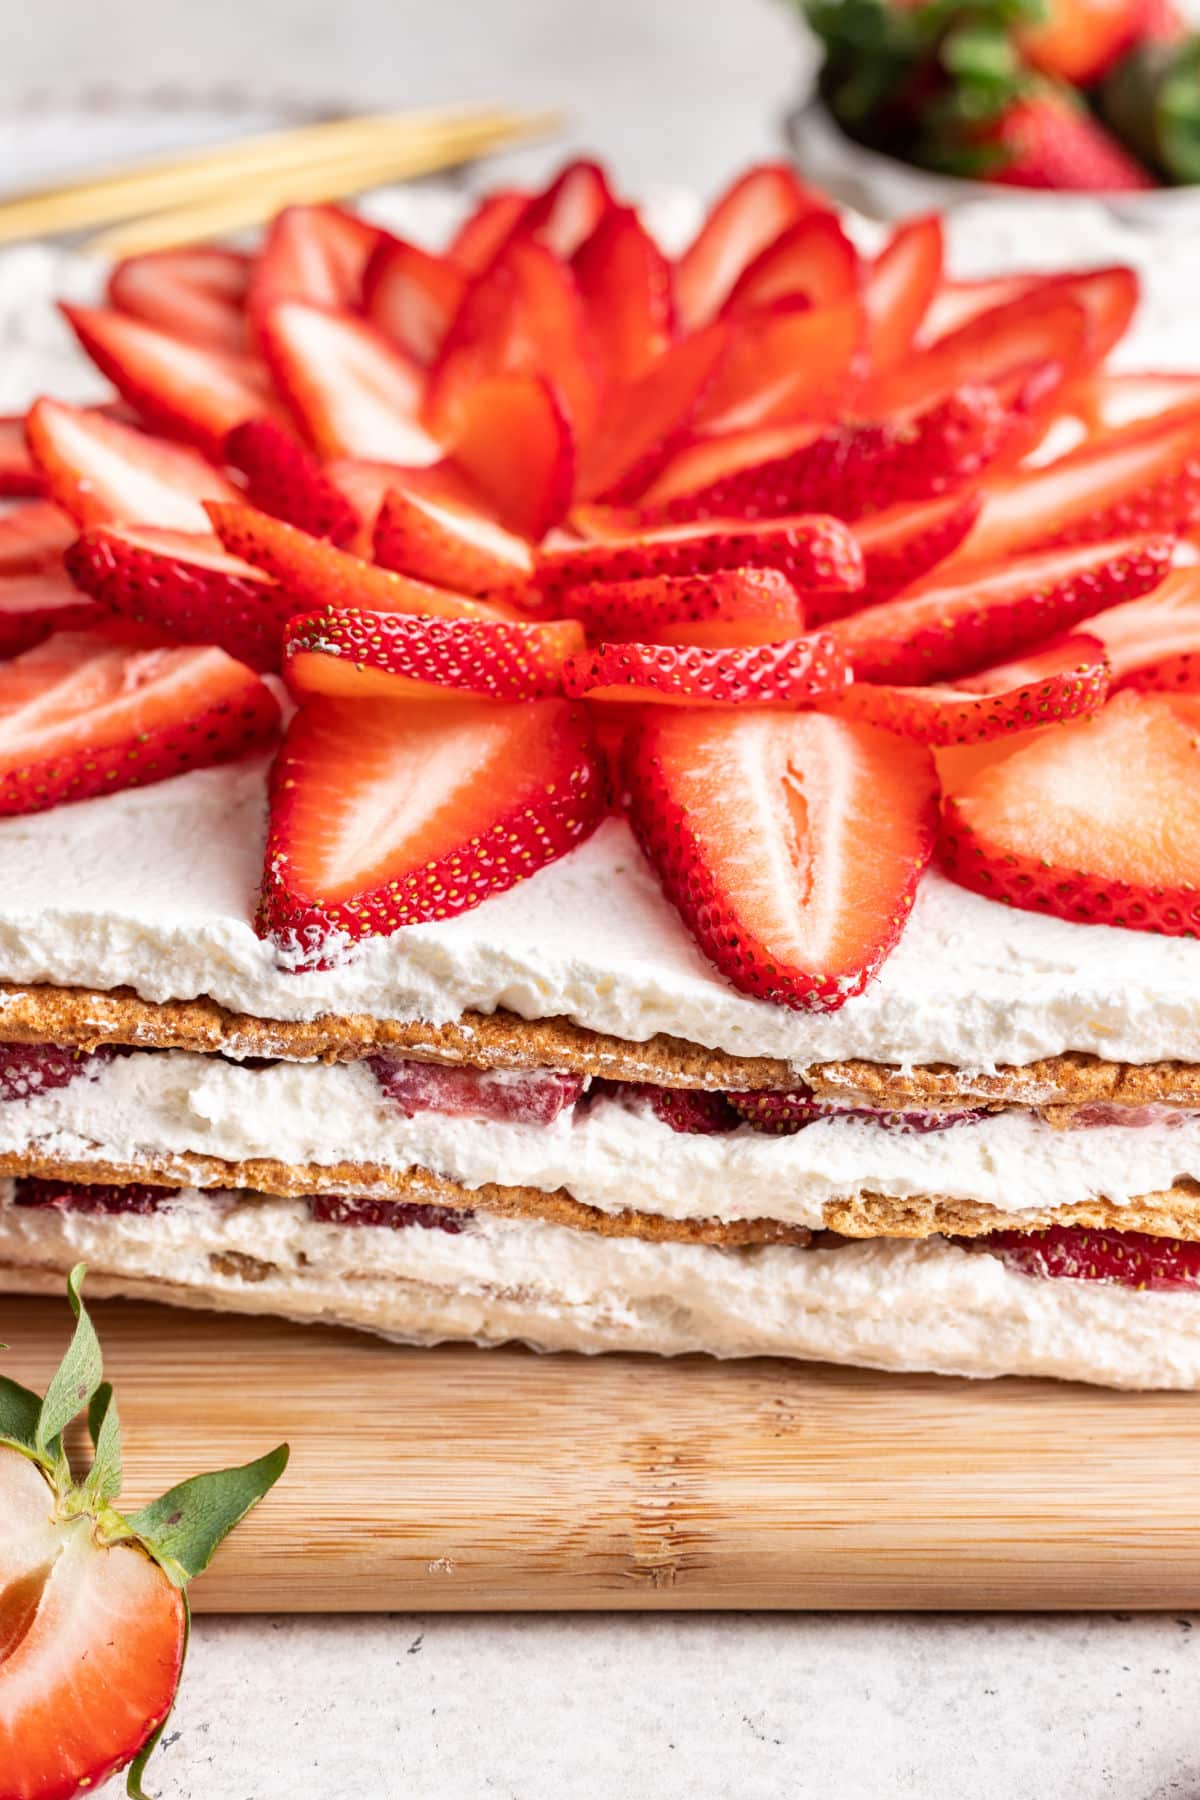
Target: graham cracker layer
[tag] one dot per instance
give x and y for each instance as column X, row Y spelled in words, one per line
column 85, row 1018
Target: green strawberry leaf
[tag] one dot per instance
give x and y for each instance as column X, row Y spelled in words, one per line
column 104, row 1426
column 20, row 1409
column 183, row 1529
column 137, row 1768
column 76, row 1378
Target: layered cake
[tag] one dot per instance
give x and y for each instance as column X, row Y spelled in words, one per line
column 608, row 793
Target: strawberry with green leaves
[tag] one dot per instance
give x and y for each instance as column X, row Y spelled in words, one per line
column 93, row 1602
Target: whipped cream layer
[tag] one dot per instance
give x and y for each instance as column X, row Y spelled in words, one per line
column 613, row 1154
column 154, row 890
column 883, row 1304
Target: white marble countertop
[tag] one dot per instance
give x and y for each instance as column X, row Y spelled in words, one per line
column 702, row 1707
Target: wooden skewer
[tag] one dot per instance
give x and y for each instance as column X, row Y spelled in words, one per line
column 255, row 198
column 195, row 174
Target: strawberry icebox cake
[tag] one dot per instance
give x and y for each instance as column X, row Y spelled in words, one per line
column 611, row 792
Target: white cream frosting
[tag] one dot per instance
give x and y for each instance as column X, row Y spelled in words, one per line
column 154, row 889
column 141, row 1109
column 882, row 1304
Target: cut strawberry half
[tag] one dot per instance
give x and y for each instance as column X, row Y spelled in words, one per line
column 624, row 282
column 315, row 573
column 798, row 672
column 791, row 844
column 287, row 481
column 811, row 257
column 513, row 445
column 899, row 289
column 785, row 362
column 315, row 254
column 1068, row 685
column 384, row 816
column 33, row 536
column 1143, row 478
column 569, row 209
column 1154, row 643
column 726, row 599
column 817, row 554
column 198, row 294
column 519, row 1097
column 741, row 223
column 89, row 713
column 102, row 472
column 412, row 296
column 1033, row 330
column 904, row 543
column 184, row 585
column 1098, row 821
column 385, row 655
column 19, row 474
column 352, row 391
column 437, row 541
column 1133, row 1259
column 954, row 623
column 644, row 422
column 35, row 604
column 485, row 231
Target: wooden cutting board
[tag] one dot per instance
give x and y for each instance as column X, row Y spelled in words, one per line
column 459, row 1479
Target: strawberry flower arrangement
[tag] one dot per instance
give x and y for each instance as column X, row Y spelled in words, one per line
column 766, row 546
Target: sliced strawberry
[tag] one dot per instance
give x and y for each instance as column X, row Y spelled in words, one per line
column 184, row 389
column 797, row 672
column 1133, row 1259
column 700, row 464
column 956, row 303
column 315, row 573
column 27, row 1070
column 103, row 472
column 45, row 1194
column 198, row 294
column 817, row 554
column 1105, row 401
column 1154, row 642
column 351, row 391
column 620, row 610
column 1065, row 688
column 687, row 1110
column 899, row 289
column 812, row 257
column 741, row 223
column 451, row 546
column 186, row 586
column 88, row 713
column 386, row 655
column 624, row 282
column 513, row 445
column 644, row 422
column 392, row 1215
column 519, row 1097
column 783, row 1113
column 287, row 481
column 486, row 230
column 790, row 843
column 384, row 815
column 33, row 536
column 315, row 254
column 364, row 486
column 35, row 604
column 1145, row 477
column 412, row 296
column 19, row 474
column 1034, row 329
column 1098, row 821
column 957, row 622
column 904, row 543
column 785, row 362
column 566, row 213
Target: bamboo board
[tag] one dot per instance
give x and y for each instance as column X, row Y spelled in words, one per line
column 458, row 1479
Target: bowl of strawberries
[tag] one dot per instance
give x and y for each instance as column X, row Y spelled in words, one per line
column 933, row 103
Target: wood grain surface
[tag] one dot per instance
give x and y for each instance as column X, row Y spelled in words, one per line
column 458, row 1479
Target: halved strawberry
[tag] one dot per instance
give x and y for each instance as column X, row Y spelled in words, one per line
column 785, row 362
column 383, row 816
column 91, row 712
column 197, row 293
column 286, row 480
column 1154, row 643
column 412, row 296
column 33, row 536
column 352, row 391
column 791, row 843
column 485, row 231
column 352, row 654
column 816, row 553
column 103, row 472
column 184, row 585
column 644, row 421
column 812, row 257
column 899, row 289
column 35, row 604
column 903, row 543
column 569, row 208
column 962, row 620
column 1068, row 685
column 797, row 672
column 1033, row 330
column 451, row 546
column 184, row 389
column 1133, row 1259
column 1145, row 477
column 514, row 446
column 19, row 474
column 624, row 282
column 315, row 573
column 1098, row 821
column 714, row 603
column 739, row 224
column 315, row 254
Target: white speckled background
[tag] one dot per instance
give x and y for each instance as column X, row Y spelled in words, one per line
column 705, row 1707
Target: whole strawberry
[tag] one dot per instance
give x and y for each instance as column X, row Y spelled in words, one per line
column 93, row 1602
